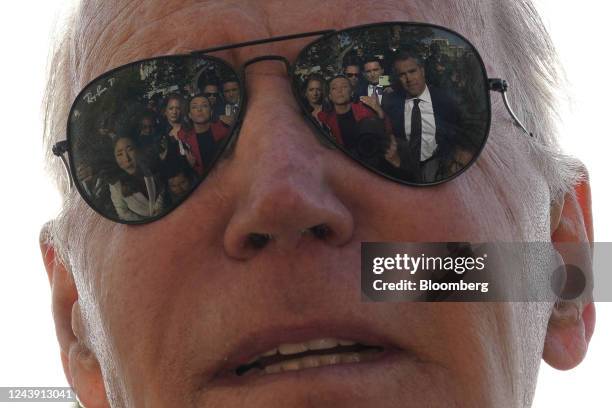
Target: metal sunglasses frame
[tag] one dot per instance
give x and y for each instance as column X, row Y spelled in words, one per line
column 493, row 84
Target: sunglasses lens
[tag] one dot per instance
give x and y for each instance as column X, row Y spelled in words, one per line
column 142, row 137
column 418, row 113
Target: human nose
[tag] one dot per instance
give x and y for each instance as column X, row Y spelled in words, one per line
column 285, row 197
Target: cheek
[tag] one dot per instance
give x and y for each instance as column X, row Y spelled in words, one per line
column 159, row 262
column 137, row 322
column 439, row 214
column 490, row 336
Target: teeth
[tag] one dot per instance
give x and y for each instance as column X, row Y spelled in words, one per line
column 320, row 344
column 350, row 358
column 291, row 365
column 330, row 359
column 273, row 369
column 270, row 353
column 285, row 349
column 312, row 362
column 295, row 348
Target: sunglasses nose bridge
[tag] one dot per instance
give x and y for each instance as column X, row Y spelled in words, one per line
column 268, row 58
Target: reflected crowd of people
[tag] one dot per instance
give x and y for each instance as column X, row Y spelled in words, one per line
column 407, row 118
column 421, row 123
column 140, row 167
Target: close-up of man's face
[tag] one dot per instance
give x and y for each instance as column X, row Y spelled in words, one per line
column 411, row 76
column 212, row 93
column 372, row 71
column 248, row 293
column 199, row 110
column 146, row 126
column 231, row 92
column 179, row 185
column 352, row 72
column 340, row 91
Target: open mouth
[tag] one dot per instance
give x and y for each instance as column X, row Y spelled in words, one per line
column 309, row 354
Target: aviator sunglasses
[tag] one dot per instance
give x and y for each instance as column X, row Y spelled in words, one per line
column 141, row 137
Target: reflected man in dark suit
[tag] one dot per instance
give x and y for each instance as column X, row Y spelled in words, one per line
column 352, row 70
column 426, row 122
column 372, row 71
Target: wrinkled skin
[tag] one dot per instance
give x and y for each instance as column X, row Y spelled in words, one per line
column 160, row 307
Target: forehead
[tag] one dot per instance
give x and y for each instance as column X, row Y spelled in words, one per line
column 372, row 65
column 406, row 64
column 123, row 143
column 109, row 34
column 177, row 178
column 338, row 82
column 200, row 100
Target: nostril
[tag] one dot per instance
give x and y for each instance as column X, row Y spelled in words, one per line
column 320, row 231
column 258, row 241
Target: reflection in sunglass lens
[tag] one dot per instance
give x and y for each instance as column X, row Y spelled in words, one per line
column 140, row 138
column 421, row 112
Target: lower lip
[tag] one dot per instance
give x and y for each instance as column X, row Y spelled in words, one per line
column 330, row 374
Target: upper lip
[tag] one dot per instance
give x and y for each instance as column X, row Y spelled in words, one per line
column 258, row 342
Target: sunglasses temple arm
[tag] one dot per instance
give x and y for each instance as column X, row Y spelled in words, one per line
column 501, row 86
column 59, row 149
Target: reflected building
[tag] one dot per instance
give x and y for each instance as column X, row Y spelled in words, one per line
column 441, row 46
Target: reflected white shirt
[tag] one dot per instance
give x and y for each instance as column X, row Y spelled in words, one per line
column 428, row 133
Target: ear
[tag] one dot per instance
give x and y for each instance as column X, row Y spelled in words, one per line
column 571, row 322
column 80, row 364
